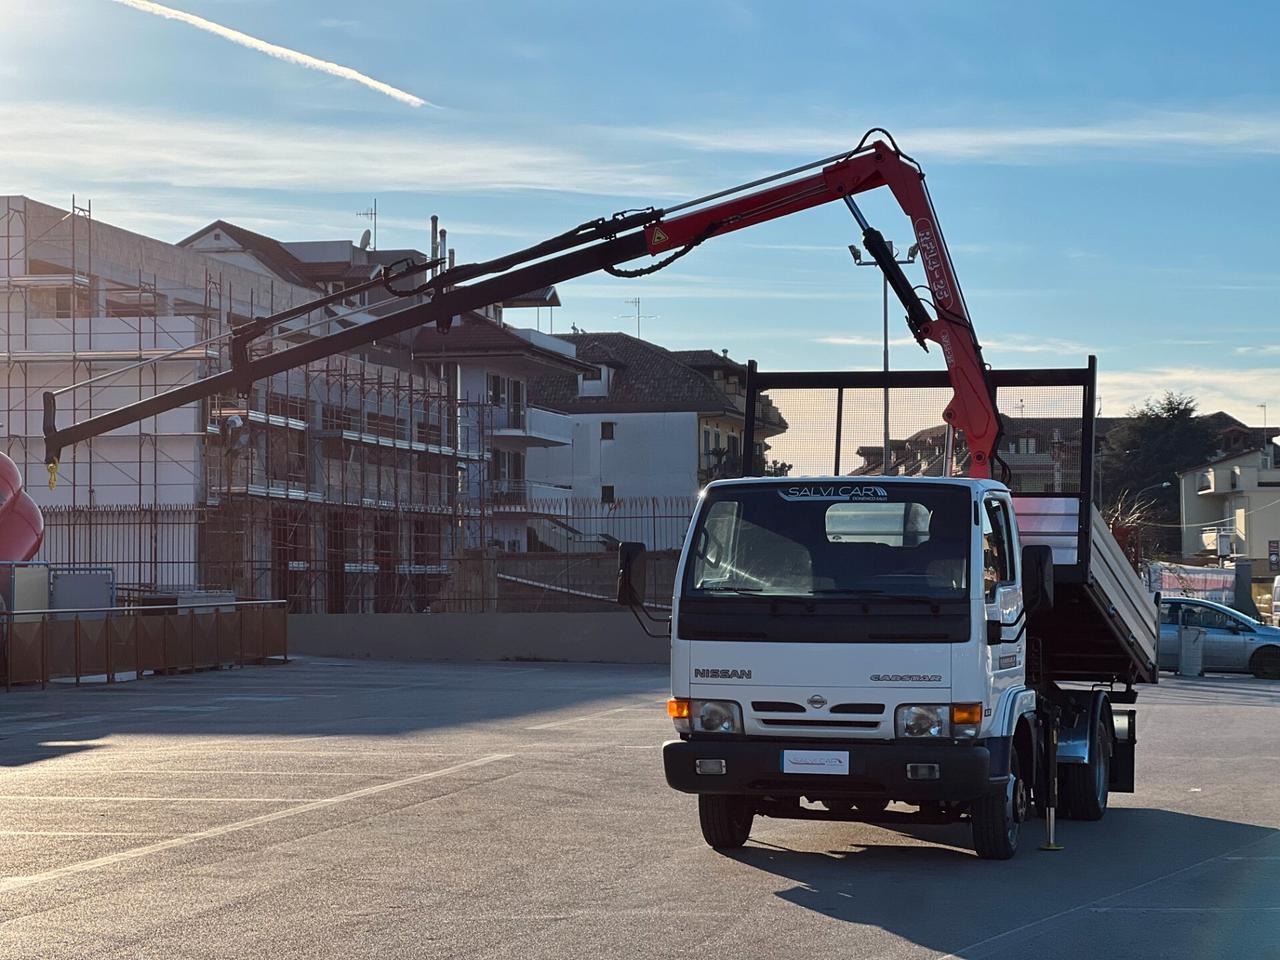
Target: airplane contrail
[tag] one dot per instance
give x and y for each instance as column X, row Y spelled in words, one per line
column 274, row 50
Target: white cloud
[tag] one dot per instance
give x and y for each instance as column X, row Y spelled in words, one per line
column 1038, row 345
column 62, row 146
column 294, row 57
column 1155, row 136
column 1269, row 348
column 1237, row 391
column 860, row 341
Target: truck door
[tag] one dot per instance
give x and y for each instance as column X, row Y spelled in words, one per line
column 1001, row 593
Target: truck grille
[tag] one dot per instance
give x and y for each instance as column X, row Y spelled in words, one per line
column 859, row 724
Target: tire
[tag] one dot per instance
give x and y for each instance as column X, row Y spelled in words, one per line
column 998, row 818
column 725, row 821
column 871, row 806
column 1085, row 788
column 1265, row 663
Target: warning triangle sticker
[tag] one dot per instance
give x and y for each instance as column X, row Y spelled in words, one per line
column 658, row 236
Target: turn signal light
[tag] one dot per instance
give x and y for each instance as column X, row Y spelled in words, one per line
column 678, row 708
column 966, row 713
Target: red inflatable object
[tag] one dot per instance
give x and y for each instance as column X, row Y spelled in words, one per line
column 21, row 523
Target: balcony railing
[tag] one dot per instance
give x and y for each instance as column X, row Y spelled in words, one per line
column 524, row 493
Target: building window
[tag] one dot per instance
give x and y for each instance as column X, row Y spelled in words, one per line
column 606, row 493
column 592, row 374
column 706, row 441
column 606, row 430
column 497, row 390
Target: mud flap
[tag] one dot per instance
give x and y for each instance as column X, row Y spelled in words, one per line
column 1122, row 757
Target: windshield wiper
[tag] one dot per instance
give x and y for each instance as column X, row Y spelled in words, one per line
column 878, row 595
column 744, row 591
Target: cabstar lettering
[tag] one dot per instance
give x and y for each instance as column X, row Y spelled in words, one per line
column 906, row 677
column 719, row 673
column 834, row 491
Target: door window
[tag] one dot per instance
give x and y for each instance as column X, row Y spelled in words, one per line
column 997, row 547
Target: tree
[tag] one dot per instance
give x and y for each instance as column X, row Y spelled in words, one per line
column 1160, row 438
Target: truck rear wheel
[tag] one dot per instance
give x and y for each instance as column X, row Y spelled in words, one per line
column 1086, row 787
column 725, row 821
column 998, row 817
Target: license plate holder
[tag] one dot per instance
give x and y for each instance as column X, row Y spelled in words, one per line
column 824, row 763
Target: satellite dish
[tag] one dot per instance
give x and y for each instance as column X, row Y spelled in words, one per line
column 364, row 240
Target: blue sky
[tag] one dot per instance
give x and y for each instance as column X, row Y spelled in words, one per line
column 1105, row 173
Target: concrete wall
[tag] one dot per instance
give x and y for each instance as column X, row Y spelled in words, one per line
column 576, row 637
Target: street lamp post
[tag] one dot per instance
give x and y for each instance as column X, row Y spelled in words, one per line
column 1163, row 485
column 858, row 261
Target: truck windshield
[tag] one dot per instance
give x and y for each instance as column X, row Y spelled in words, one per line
column 832, row 539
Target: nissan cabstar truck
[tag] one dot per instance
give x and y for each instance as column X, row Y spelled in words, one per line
column 889, row 647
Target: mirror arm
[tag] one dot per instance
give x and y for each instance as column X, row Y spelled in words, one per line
column 636, row 609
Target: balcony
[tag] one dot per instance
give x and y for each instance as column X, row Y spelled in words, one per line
column 515, row 427
column 521, row 496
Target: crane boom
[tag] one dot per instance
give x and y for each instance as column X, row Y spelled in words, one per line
column 606, row 244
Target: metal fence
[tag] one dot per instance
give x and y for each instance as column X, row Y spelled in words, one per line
column 331, row 558
column 109, row 643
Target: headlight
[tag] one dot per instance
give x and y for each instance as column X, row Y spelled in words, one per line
column 923, row 720
column 705, row 716
column 938, row 720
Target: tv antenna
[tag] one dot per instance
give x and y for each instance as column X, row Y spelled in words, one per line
column 635, row 302
column 371, row 214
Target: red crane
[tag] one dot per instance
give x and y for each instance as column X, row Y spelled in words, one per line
column 607, row 243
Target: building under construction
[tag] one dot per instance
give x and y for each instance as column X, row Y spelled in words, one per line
column 363, row 482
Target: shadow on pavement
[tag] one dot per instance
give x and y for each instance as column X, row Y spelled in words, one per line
column 941, row 896
column 315, row 698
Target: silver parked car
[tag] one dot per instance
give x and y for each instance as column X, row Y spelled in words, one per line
column 1233, row 643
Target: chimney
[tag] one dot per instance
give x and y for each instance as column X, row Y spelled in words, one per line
column 435, row 240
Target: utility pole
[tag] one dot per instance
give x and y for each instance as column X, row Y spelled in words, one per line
column 858, row 261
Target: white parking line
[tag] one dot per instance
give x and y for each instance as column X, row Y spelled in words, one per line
column 590, row 716
column 16, row 883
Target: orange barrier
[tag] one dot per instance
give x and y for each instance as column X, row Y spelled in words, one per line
column 44, row 645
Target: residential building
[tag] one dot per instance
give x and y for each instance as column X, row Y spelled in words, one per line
column 1230, row 509
column 647, row 422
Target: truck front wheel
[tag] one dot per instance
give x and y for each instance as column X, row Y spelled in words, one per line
column 998, row 818
column 726, row 821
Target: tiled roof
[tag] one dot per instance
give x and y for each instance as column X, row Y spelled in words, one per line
column 645, row 378
column 708, row 358
column 271, row 252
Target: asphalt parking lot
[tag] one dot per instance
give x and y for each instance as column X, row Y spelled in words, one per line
column 354, row 809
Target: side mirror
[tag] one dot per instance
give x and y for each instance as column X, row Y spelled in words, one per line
column 1037, row 578
column 632, row 574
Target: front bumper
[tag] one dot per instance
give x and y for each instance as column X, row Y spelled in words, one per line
column 876, row 770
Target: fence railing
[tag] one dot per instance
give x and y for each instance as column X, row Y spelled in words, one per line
column 40, row 646
column 323, row 559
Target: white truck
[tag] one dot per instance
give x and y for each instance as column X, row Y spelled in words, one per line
column 842, row 643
